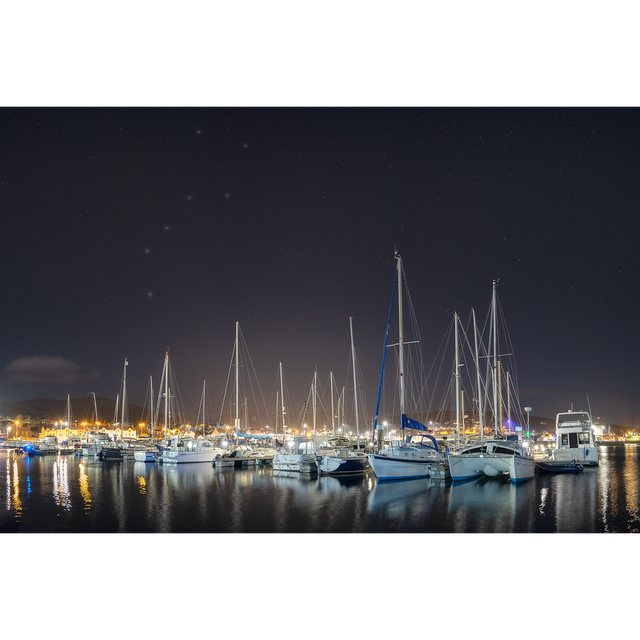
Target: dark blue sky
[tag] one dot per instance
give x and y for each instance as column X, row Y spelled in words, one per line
column 127, row 231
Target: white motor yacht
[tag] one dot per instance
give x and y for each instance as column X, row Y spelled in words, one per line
column 245, row 451
column 575, row 439
column 302, row 458
column 183, row 450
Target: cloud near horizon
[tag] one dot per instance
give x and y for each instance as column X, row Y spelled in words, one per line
column 47, row 369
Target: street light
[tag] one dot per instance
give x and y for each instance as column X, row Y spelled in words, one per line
column 528, row 410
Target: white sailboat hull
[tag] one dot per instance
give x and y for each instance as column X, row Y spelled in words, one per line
column 391, row 468
column 464, row 467
column 347, row 465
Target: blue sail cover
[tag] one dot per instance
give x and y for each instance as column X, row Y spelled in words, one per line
column 408, row 423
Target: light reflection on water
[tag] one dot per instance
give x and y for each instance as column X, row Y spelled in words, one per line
column 84, row 487
column 68, row 494
column 61, row 493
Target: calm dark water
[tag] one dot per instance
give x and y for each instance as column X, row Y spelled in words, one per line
column 65, row 494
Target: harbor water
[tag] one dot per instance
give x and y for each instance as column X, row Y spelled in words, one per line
column 67, row 494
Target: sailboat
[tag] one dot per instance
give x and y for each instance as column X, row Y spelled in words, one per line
column 65, row 445
column 413, row 456
column 244, row 454
column 494, row 456
column 151, row 451
column 344, row 461
column 115, row 453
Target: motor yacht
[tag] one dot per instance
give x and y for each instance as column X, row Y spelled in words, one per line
column 182, row 450
column 301, row 459
column 575, row 439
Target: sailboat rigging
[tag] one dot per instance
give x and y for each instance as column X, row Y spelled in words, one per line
column 332, row 457
column 497, row 455
column 412, row 456
column 115, row 452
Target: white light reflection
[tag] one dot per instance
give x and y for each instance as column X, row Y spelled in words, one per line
column 543, row 499
column 61, row 493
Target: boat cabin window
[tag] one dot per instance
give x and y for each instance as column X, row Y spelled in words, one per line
column 583, row 438
column 574, row 417
column 479, row 449
column 565, row 440
column 503, row 450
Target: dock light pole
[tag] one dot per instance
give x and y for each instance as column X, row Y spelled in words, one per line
column 528, row 410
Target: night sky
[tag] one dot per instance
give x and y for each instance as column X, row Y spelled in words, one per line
column 130, row 231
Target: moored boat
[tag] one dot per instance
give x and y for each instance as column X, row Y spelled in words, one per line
column 411, row 456
column 337, row 456
column 559, row 467
column 345, row 461
column 148, row 454
column 186, row 450
column 405, row 459
column 575, row 439
column 301, row 460
column 110, row 453
column 47, row 446
column 491, row 458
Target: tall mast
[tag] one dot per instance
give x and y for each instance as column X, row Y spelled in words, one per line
column 166, row 394
column 355, row 387
column 500, row 391
column 68, row 415
column 462, row 410
column 480, row 407
column 400, row 342
column 315, row 393
column 455, row 319
column 237, row 405
column 333, row 425
column 95, row 408
column 495, row 359
column 284, row 426
column 151, row 406
column 277, row 402
column 508, row 402
column 124, row 399
column 204, row 400
column 342, row 405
